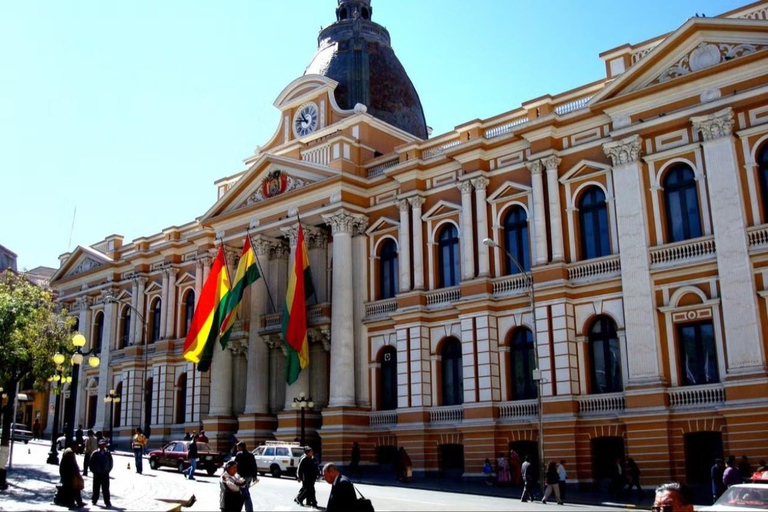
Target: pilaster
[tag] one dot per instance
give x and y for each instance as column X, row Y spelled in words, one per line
column 108, row 342
column 481, row 213
column 540, row 255
column 467, row 234
column 555, row 211
column 169, row 304
column 359, row 275
column 404, row 256
column 418, row 242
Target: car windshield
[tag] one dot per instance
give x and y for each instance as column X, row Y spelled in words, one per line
column 747, row 497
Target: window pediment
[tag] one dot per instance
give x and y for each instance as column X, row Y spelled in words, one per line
column 441, row 210
column 509, row 190
column 583, row 170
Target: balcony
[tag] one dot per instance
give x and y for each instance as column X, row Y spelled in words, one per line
column 380, row 308
column 687, row 251
column 511, row 285
column 595, row 270
column 758, row 237
column 606, row 403
column 519, row 409
column 382, row 418
column 447, row 414
column 696, row 396
column 378, row 170
column 274, row 321
column 443, row 296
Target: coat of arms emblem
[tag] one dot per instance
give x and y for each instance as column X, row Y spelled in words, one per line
column 274, row 184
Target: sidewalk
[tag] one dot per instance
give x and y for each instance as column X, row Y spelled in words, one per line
column 574, row 495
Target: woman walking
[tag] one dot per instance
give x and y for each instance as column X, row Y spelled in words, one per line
column 552, row 479
column 72, row 482
column 502, row 466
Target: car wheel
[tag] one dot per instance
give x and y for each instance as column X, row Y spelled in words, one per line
column 26, row 441
column 153, row 463
column 211, row 470
column 275, row 471
column 180, row 466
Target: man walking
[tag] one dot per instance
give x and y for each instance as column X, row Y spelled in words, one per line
column 343, row 497
column 36, row 429
column 246, row 468
column 716, row 475
column 306, row 474
column 101, row 465
column 192, row 455
column 91, row 445
column 137, row 444
column 528, row 472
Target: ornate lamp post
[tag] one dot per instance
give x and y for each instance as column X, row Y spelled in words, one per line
column 111, row 400
column 78, row 340
column 302, row 402
column 536, row 371
column 56, row 381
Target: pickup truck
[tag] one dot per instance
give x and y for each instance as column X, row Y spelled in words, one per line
column 175, row 454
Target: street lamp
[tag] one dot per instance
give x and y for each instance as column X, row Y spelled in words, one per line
column 78, row 340
column 302, row 402
column 111, row 399
column 536, row 373
column 56, row 380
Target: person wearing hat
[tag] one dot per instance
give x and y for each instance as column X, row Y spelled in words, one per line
column 306, row 474
column 246, row 468
column 100, row 465
column 231, row 497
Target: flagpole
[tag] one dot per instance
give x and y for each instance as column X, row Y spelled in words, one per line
column 261, row 271
column 314, row 292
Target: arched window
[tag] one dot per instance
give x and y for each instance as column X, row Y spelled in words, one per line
column 682, row 201
column 98, row 330
column 762, row 165
column 76, row 325
column 593, row 219
column 156, row 319
column 697, row 353
column 605, row 357
column 189, row 310
column 388, row 271
column 388, row 379
column 116, row 411
column 522, row 363
column 181, row 398
column 448, row 256
column 516, row 239
column 452, row 373
column 125, row 328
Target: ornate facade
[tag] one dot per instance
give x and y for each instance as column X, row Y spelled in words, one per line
column 638, row 204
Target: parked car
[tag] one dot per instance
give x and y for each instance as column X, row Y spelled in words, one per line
column 742, row 497
column 278, row 458
column 20, row 432
column 175, row 454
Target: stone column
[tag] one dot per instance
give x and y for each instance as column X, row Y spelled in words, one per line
column 317, row 249
column 169, row 303
column 418, row 242
column 555, row 212
column 109, row 341
column 740, row 315
column 86, row 328
column 467, row 231
column 164, row 306
column 342, row 390
column 637, row 288
column 359, row 287
column 302, row 382
column 139, row 327
column 481, row 212
column 540, row 256
column 198, row 280
column 404, row 253
column 135, row 320
column 221, row 382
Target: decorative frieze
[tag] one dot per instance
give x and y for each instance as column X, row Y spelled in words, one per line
column 625, row 151
column 86, row 265
column 716, row 125
column 706, row 55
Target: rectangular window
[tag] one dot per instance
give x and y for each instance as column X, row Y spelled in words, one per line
column 698, row 358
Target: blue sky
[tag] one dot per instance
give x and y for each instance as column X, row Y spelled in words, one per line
column 128, row 111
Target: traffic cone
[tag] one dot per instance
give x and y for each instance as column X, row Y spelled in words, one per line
column 129, row 465
column 29, row 451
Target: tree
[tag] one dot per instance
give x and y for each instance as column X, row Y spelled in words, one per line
column 32, row 329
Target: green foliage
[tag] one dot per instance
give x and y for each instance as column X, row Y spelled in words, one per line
column 31, row 330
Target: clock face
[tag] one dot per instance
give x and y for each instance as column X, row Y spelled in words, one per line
column 306, row 119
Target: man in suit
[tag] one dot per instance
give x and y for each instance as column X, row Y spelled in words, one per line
column 306, row 474
column 343, row 497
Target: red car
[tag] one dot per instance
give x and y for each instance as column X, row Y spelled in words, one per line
column 175, row 455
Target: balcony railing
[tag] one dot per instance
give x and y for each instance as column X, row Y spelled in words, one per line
column 378, row 170
column 758, row 235
column 519, row 409
column 511, row 284
column 699, row 248
column 274, row 321
column 601, row 404
column 695, row 396
column 443, row 296
column 438, row 150
column 578, row 104
column 592, row 270
column 382, row 418
column 498, row 131
column 380, row 307
column 319, row 155
column 447, row 414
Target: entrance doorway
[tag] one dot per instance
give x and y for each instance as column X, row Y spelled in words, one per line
column 451, row 461
column 92, row 403
column 701, row 450
column 605, row 451
column 527, row 448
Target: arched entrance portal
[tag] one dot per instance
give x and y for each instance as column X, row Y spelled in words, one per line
column 701, row 450
column 605, row 452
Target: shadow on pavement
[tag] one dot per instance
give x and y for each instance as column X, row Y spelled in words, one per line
column 25, row 486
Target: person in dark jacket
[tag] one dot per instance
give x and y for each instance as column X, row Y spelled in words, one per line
column 101, row 465
column 716, row 475
column 633, row 476
column 343, row 497
column 192, row 455
column 553, row 480
column 246, row 468
column 69, row 491
column 528, row 473
column 306, row 474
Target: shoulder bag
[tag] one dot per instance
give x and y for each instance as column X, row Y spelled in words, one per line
column 363, row 503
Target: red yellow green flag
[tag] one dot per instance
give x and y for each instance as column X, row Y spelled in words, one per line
column 247, row 273
column 201, row 337
column 295, row 312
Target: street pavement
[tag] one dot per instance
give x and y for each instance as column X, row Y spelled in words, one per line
column 32, row 485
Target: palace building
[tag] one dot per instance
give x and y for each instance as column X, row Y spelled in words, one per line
column 638, row 205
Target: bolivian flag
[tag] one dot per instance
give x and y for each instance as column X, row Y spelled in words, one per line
column 201, row 337
column 247, row 273
column 295, row 312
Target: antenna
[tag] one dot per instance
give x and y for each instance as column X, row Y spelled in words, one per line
column 72, row 229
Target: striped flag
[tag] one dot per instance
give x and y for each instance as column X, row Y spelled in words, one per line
column 247, row 273
column 201, row 337
column 295, row 312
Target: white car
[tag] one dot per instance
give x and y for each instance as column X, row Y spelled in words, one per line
column 742, row 498
column 278, row 458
